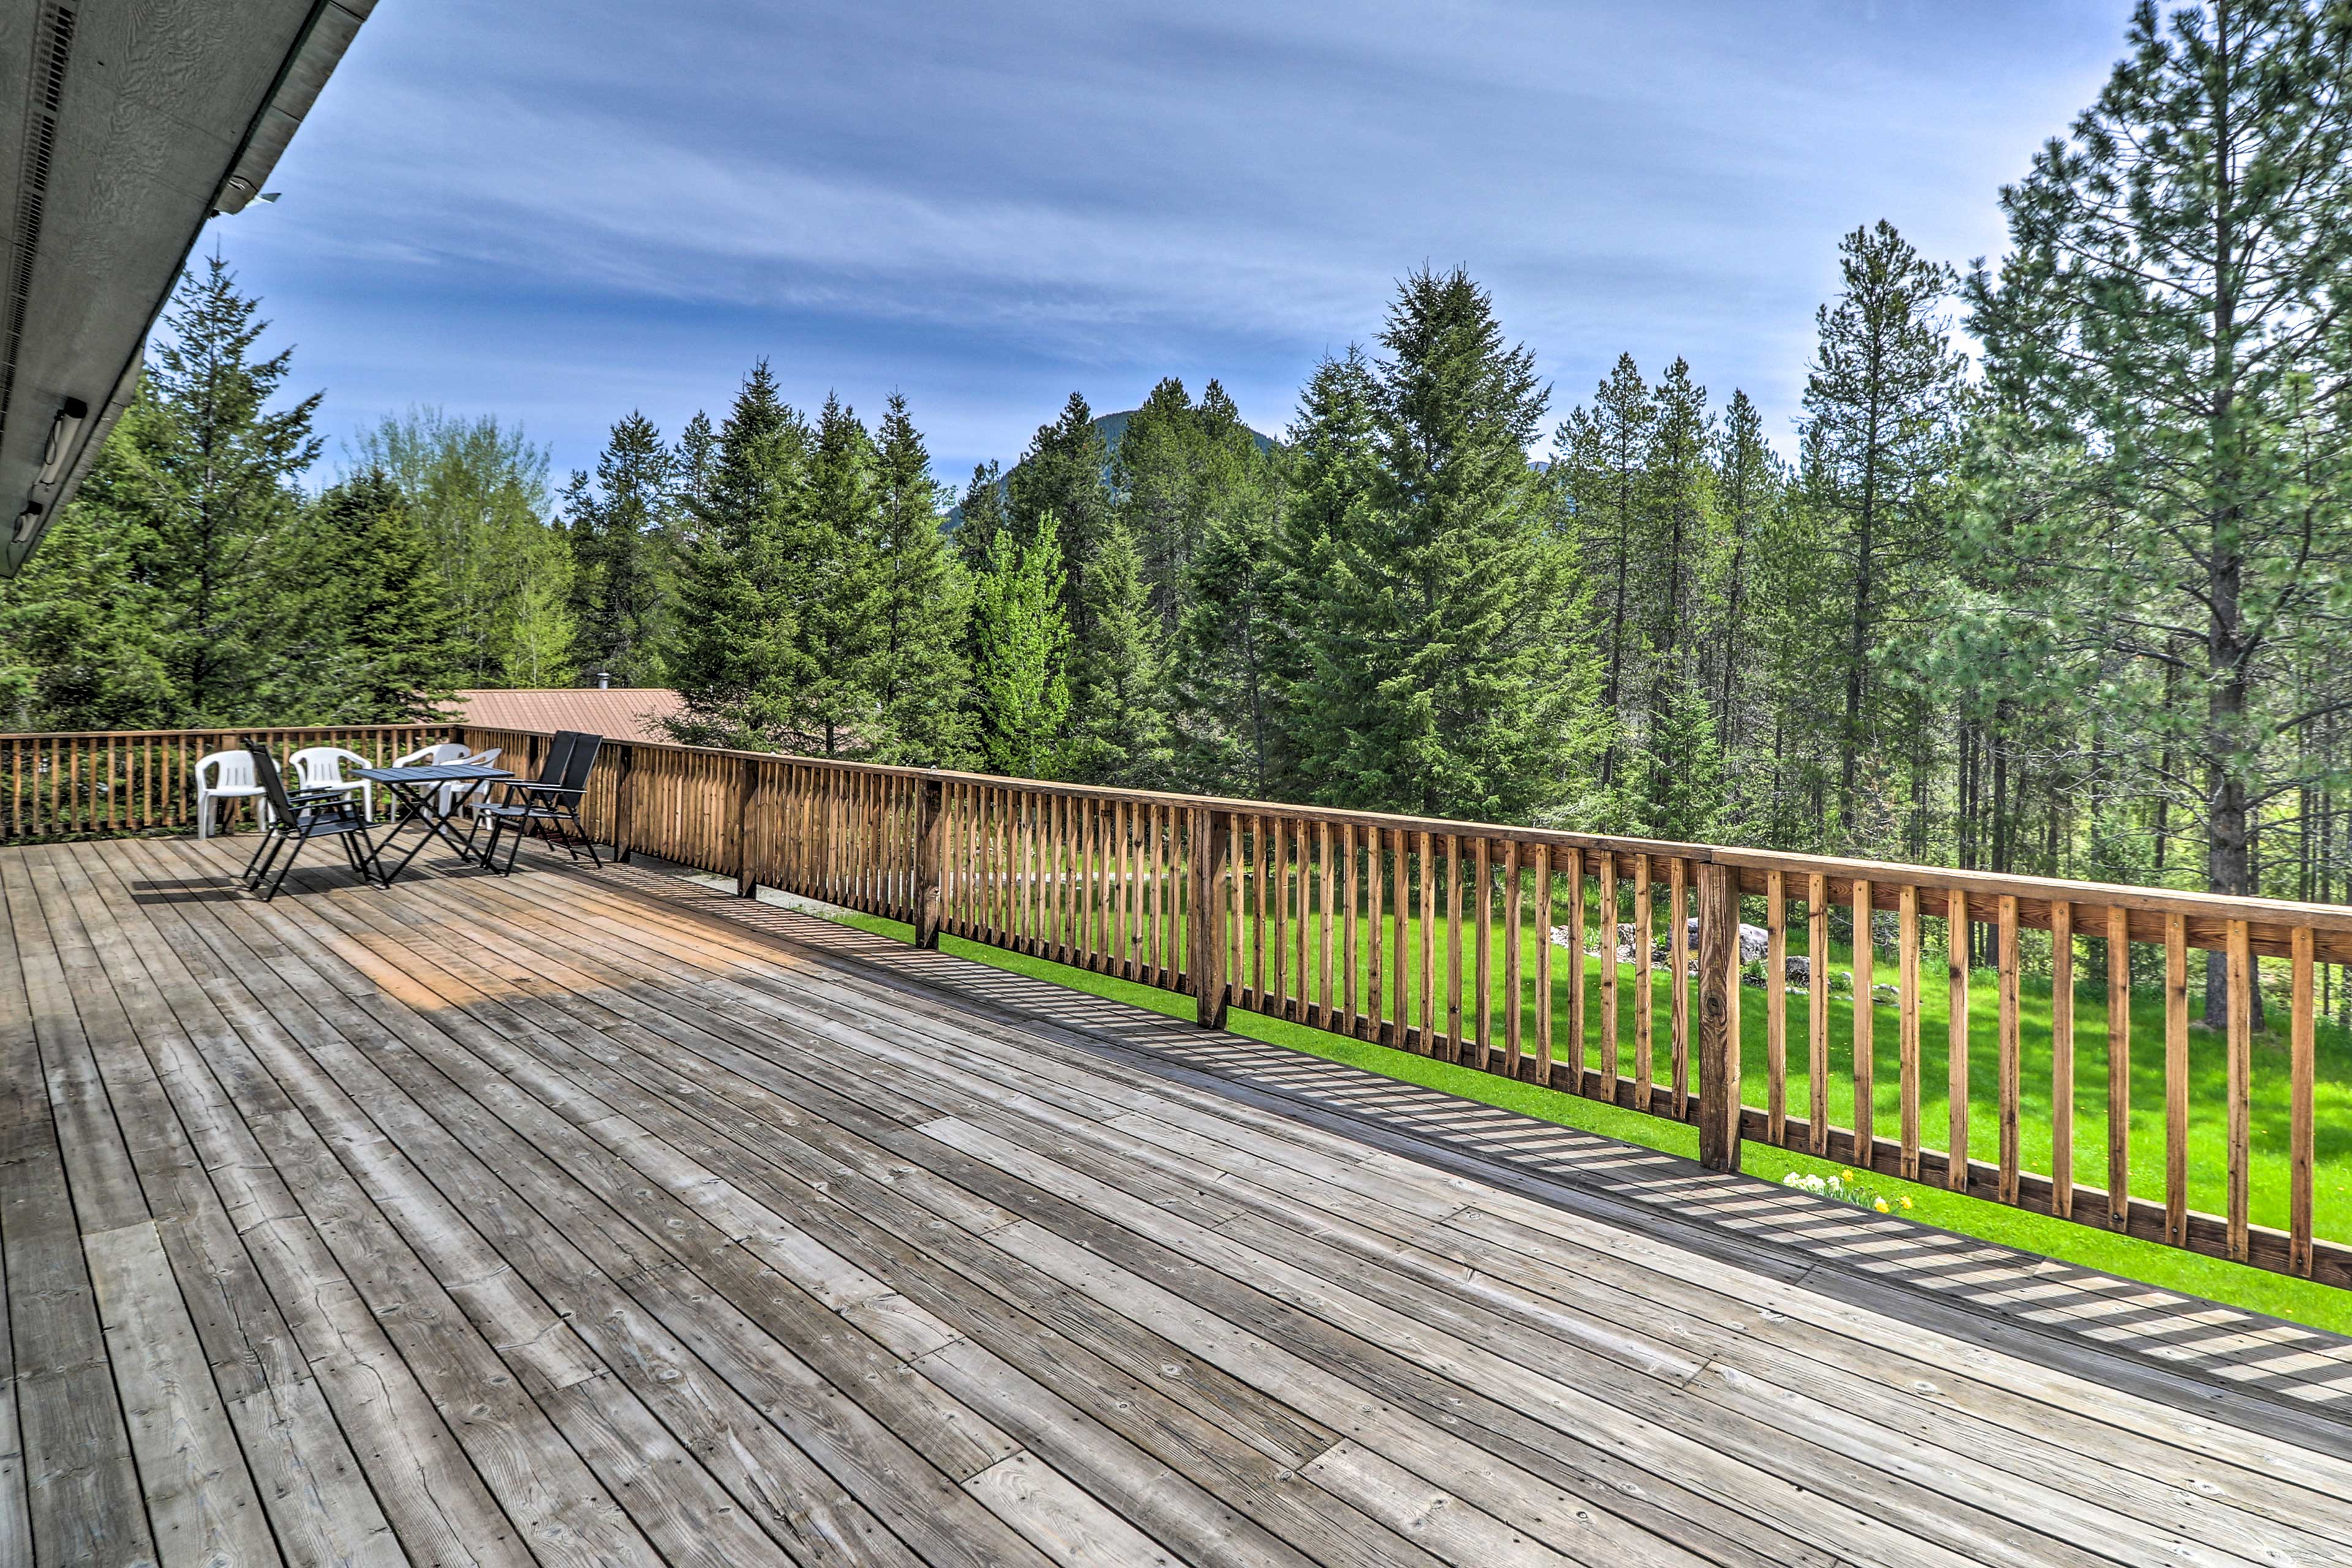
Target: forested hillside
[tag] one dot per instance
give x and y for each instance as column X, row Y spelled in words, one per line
column 2054, row 575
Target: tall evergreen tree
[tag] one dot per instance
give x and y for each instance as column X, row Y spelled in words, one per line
column 621, row 538
column 161, row 594
column 1447, row 676
column 1682, row 768
column 1746, row 488
column 1118, row 727
column 1019, row 684
column 384, row 613
column 837, row 620
column 1062, row 477
column 739, row 664
column 1155, row 476
column 1678, row 483
column 2167, row 351
column 919, row 675
column 982, row 515
column 1880, row 406
column 1601, row 467
column 694, row 467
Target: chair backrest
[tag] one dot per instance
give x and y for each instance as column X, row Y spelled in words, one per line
column 488, row 758
column 559, row 756
column 317, row 767
column 231, row 770
column 583, row 758
column 273, row 783
column 438, row 755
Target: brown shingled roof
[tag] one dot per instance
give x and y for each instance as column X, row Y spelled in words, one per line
column 622, row 713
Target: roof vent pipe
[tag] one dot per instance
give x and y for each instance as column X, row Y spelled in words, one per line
column 604, row 681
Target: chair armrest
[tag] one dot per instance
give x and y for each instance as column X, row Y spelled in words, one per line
column 530, row 786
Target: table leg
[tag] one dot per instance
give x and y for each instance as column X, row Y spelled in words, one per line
column 415, row 805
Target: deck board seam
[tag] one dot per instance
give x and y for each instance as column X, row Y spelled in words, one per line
column 455, row 1088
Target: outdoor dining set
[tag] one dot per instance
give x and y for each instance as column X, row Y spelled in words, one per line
column 445, row 791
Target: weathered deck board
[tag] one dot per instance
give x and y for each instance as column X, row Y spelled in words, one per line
column 595, row 1218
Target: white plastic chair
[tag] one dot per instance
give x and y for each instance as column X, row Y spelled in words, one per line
column 455, row 795
column 227, row 775
column 449, row 753
column 322, row 767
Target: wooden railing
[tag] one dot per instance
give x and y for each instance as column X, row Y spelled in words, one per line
column 1547, row 957
column 135, row 781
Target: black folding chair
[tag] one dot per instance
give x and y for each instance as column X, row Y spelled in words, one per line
column 295, row 817
column 548, row 804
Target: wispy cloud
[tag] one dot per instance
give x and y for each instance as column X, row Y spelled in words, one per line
column 561, row 213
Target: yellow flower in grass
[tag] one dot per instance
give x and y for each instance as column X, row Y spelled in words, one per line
column 1906, row 1200
column 1880, row 1205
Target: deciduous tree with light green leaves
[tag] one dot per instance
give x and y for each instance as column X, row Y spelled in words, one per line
column 478, row 488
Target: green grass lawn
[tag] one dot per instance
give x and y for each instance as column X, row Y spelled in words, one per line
column 2255, row 1289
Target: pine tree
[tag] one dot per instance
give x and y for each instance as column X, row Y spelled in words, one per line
column 1746, row 488
column 1601, row 471
column 919, row 675
column 204, row 496
column 1225, row 682
column 1677, row 484
column 1119, row 720
column 694, row 465
column 837, row 615
column 621, row 538
column 384, row 614
column 1156, row 479
column 2166, row 355
column 739, row 664
column 981, row 516
column 161, row 594
column 1060, row 477
column 1681, row 769
column 1021, row 693
column 1447, row 678
column 1880, row 406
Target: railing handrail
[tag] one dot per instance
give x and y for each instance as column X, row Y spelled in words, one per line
column 1840, row 871
column 419, row 724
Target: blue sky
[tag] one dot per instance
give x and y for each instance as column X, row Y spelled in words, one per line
column 557, row 213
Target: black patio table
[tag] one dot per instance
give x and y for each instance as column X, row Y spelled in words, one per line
column 417, row 788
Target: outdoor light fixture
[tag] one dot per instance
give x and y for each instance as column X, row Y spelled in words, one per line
column 62, row 431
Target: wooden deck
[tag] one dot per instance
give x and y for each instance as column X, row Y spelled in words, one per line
column 599, row 1219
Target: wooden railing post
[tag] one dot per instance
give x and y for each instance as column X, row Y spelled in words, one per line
column 930, row 829
column 1719, row 997
column 1211, row 846
column 624, row 820
column 746, row 781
